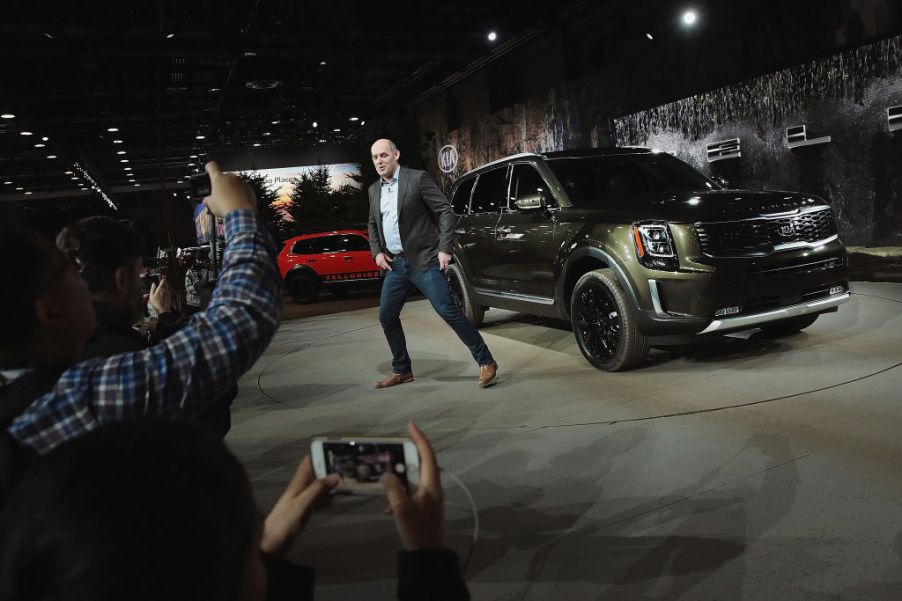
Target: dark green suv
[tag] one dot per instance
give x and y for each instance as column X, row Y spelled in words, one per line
column 636, row 247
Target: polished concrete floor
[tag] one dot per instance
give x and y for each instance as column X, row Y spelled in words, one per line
column 745, row 468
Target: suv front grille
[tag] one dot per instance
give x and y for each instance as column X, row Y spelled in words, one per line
column 763, row 235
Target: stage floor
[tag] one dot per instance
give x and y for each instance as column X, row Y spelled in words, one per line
column 742, row 468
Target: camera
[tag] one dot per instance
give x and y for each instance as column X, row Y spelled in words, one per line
column 200, row 186
column 362, row 461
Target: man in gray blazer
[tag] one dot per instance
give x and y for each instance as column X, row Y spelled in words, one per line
column 411, row 230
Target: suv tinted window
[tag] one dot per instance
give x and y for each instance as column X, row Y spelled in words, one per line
column 303, row 247
column 591, row 180
column 491, row 188
column 461, row 200
column 527, row 183
column 352, row 242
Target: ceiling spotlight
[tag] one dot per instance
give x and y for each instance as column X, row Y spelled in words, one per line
column 276, row 122
column 127, row 169
column 266, row 133
column 322, row 141
column 690, row 17
column 256, row 144
column 170, row 35
column 112, row 129
column 74, row 179
column 322, row 63
column 193, row 156
column 337, row 129
column 191, row 164
column 363, row 123
column 214, row 90
column 492, row 36
column 68, row 173
column 39, row 145
column 649, row 36
column 20, row 188
column 120, row 152
column 199, row 137
column 45, row 138
column 137, row 185
column 175, row 193
column 8, row 116
column 315, row 124
column 123, row 161
column 131, row 181
column 48, row 35
column 354, row 119
column 29, row 192
column 51, row 156
column 7, row 183
column 117, row 141
column 25, row 133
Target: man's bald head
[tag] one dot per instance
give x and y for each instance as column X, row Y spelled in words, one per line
column 385, row 158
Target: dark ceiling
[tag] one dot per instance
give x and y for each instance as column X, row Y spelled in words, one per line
column 182, row 80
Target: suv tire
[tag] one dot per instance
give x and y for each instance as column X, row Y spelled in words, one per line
column 603, row 323
column 462, row 297
column 792, row 325
column 303, row 288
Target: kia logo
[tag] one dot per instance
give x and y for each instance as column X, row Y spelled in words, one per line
column 787, row 230
column 447, row 158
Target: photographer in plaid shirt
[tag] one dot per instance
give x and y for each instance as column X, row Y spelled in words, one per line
column 47, row 318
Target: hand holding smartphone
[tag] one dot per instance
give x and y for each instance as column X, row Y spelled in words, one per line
column 361, row 462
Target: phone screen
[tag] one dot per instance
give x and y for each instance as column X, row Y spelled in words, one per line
column 362, row 464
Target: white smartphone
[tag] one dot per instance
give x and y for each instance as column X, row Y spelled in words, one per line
column 361, row 462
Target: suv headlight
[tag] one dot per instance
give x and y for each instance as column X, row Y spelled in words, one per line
column 654, row 246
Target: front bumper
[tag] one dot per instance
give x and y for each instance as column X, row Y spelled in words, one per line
column 745, row 322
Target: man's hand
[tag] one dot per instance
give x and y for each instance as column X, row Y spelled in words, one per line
column 420, row 518
column 293, row 509
column 383, row 262
column 229, row 193
column 444, row 259
column 161, row 296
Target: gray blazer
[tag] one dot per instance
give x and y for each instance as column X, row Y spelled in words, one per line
column 425, row 219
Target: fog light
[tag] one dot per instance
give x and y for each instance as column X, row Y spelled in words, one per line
column 727, row 311
column 836, row 290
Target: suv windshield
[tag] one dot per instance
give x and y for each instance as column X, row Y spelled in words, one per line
column 592, row 180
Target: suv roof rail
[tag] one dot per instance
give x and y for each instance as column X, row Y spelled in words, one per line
column 597, row 152
column 507, row 158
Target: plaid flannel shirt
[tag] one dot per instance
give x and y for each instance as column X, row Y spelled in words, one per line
column 185, row 372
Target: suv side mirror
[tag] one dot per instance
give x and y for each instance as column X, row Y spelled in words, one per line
column 721, row 181
column 531, row 202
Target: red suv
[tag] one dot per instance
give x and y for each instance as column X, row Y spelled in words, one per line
column 333, row 260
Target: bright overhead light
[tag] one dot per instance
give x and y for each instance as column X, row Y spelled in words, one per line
column 266, row 133
column 363, row 123
column 120, row 152
column 127, row 169
column 137, row 185
column 322, row 63
column 74, row 179
column 191, row 164
column 170, row 35
column 51, row 156
column 7, row 183
column 690, row 17
column 123, row 161
column 193, row 156
column 649, row 36
column 67, row 173
column 322, row 140
column 39, row 145
column 276, row 122
column 315, row 124
column 117, row 141
column 45, row 138
column 354, row 119
column 29, row 192
column 199, row 137
column 8, row 116
column 492, row 36
column 131, row 181
column 111, row 129
column 20, row 188
column 256, row 144
column 25, row 133
column 48, row 35
column 337, row 129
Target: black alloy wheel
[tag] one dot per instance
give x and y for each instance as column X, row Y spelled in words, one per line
column 603, row 323
column 460, row 294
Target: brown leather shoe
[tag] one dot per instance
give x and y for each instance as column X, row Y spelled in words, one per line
column 394, row 379
column 488, row 375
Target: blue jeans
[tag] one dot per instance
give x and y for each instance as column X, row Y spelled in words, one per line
column 395, row 288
